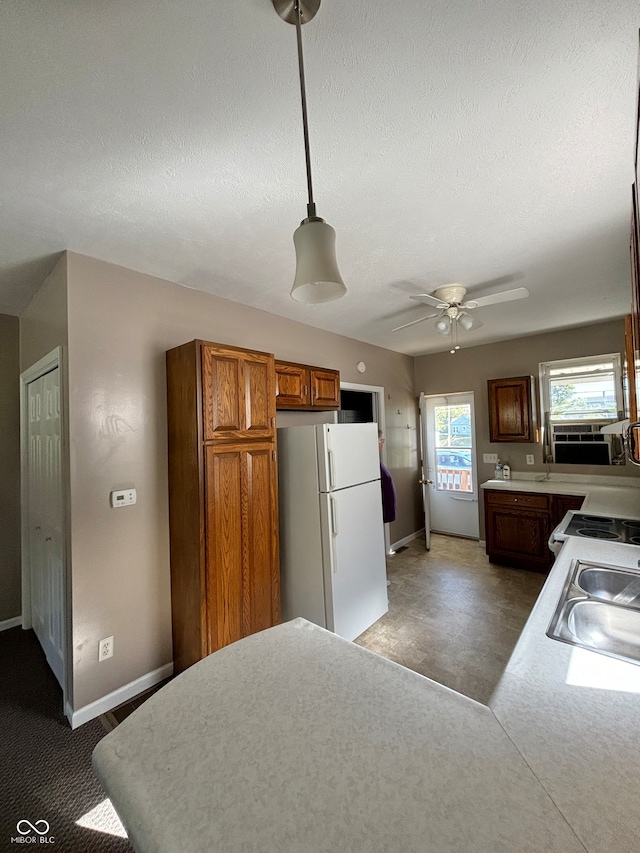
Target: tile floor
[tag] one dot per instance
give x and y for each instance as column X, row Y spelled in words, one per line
column 453, row 616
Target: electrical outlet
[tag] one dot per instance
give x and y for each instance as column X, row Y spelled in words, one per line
column 530, row 460
column 105, row 649
column 490, row 457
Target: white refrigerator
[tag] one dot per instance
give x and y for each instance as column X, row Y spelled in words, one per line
column 332, row 551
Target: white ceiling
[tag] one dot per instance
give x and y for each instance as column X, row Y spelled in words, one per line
column 468, row 141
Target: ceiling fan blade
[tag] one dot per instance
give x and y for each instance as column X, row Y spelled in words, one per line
column 413, row 322
column 494, row 298
column 428, row 299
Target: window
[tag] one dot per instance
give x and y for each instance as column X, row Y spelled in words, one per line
column 453, row 447
column 581, row 389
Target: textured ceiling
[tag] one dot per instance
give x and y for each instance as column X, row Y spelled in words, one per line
column 468, row 141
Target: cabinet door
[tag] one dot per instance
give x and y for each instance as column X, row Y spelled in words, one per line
column 325, row 389
column 560, row 506
column 519, row 537
column 512, row 409
column 292, row 386
column 238, row 394
column 241, row 543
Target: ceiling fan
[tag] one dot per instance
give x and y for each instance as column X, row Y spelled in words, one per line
column 454, row 311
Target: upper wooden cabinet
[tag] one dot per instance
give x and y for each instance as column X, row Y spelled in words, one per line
column 512, row 409
column 238, row 393
column 300, row 386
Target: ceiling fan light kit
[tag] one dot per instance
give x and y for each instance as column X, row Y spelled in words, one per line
column 454, row 311
column 317, row 277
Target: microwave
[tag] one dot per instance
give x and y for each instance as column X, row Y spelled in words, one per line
column 580, row 444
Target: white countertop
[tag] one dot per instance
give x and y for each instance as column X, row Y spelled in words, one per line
column 618, row 496
column 296, row 741
column 574, row 715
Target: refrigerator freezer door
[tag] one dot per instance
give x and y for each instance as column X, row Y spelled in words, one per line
column 347, row 454
column 355, row 577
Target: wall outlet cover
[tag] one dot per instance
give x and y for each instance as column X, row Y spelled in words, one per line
column 530, row 459
column 105, row 649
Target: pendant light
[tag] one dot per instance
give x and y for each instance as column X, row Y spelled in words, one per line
column 317, row 277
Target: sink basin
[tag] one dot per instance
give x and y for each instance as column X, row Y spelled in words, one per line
column 606, row 584
column 599, row 626
column 599, row 610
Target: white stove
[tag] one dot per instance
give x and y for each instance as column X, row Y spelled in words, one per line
column 625, row 531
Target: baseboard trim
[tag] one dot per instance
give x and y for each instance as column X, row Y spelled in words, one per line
column 15, row 622
column 117, row 697
column 406, row 539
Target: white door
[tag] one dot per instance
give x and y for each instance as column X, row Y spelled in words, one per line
column 347, row 455
column 354, row 565
column 45, row 517
column 424, row 474
column 449, row 457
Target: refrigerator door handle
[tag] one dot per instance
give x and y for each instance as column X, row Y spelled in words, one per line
column 332, row 468
column 334, row 533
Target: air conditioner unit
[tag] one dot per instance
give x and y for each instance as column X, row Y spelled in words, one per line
column 581, row 443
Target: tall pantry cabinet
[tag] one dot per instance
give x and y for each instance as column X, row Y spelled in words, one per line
column 223, row 502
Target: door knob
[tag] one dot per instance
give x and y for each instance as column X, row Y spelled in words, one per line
column 427, row 482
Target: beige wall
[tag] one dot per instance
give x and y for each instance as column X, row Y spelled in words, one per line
column 9, row 468
column 471, row 367
column 43, row 324
column 120, row 325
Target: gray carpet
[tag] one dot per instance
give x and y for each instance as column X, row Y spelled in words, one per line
column 46, row 772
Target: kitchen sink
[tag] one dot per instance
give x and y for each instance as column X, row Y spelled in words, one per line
column 599, row 610
column 616, row 585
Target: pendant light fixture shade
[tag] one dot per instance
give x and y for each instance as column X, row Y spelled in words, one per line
column 317, row 276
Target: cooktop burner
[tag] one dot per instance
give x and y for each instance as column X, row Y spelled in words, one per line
column 624, row 530
column 597, row 533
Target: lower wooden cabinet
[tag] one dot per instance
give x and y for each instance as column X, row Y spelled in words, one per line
column 518, row 526
column 559, row 506
column 517, row 529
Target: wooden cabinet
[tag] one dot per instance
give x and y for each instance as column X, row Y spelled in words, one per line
column 517, row 529
column 512, row 409
column 223, row 521
column 559, row 506
column 518, row 526
column 300, row 386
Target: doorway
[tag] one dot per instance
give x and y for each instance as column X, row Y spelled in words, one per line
column 449, row 470
column 364, row 404
column 44, row 588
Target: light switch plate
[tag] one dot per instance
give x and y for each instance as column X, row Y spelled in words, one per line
column 490, row 457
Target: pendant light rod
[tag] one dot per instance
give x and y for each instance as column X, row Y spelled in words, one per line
column 311, row 208
column 317, row 277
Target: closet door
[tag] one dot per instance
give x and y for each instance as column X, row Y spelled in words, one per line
column 45, row 517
